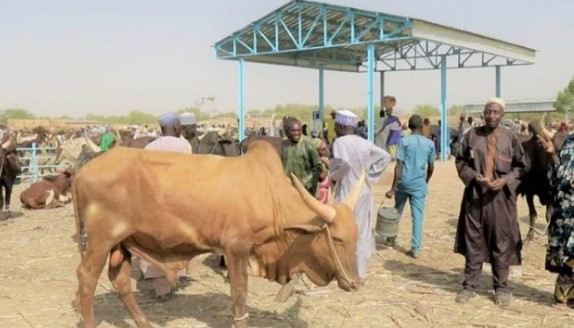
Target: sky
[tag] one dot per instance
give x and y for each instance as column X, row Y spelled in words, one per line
column 108, row 57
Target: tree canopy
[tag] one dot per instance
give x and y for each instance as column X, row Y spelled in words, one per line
column 426, row 111
column 565, row 99
column 133, row 117
column 15, row 114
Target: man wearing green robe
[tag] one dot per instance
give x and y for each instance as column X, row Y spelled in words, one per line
column 300, row 157
column 108, row 140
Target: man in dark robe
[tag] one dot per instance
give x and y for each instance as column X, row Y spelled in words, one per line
column 189, row 130
column 490, row 164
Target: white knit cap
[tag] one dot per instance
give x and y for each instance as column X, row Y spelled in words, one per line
column 346, row 117
column 187, row 119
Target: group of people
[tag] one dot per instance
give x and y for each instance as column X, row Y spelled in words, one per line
column 490, row 162
column 351, row 154
column 390, row 130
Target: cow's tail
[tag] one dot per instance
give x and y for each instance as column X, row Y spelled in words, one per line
column 81, row 235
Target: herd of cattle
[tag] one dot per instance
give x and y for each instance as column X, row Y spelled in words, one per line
column 275, row 231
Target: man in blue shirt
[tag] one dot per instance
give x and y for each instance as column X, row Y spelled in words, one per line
column 414, row 168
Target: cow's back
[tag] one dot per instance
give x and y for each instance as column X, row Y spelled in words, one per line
column 213, row 193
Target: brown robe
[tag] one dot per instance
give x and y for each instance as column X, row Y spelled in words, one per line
column 488, row 225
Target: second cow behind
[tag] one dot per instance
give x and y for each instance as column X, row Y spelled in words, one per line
column 47, row 193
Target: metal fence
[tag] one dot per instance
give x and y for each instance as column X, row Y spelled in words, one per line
column 34, row 170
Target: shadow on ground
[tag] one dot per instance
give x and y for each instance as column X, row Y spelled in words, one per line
column 213, row 309
column 451, row 281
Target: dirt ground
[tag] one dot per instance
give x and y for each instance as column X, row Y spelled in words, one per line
column 38, row 281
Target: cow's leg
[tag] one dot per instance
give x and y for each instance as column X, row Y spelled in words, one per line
column 54, row 204
column 8, row 188
column 88, row 273
column 532, row 217
column 2, row 190
column 119, row 275
column 53, row 200
column 237, row 259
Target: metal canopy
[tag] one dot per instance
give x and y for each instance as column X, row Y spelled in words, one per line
column 310, row 34
column 329, row 37
column 536, row 106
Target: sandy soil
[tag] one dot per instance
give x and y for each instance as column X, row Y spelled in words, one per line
column 38, row 281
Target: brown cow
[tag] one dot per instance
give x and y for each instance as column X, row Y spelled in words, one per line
column 146, row 207
column 535, row 181
column 10, row 168
column 50, row 192
column 276, row 142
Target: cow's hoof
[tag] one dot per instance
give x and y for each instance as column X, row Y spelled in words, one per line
column 165, row 297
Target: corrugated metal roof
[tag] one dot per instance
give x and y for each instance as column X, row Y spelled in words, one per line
column 311, row 34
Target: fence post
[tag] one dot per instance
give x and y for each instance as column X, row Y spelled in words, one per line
column 34, row 163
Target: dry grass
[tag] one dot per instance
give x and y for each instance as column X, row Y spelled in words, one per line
column 38, row 282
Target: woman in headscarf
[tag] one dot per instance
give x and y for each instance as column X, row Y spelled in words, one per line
column 560, row 249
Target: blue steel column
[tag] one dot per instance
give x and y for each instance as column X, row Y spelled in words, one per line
column 370, row 93
column 382, row 89
column 241, row 113
column 497, row 81
column 321, row 102
column 443, row 111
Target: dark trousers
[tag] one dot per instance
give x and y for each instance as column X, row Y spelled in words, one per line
column 472, row 272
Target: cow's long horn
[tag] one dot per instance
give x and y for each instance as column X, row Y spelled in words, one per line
column 542, row 128
column 326, row 212
column 353, row 197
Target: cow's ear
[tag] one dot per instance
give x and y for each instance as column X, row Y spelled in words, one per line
column 306, row 228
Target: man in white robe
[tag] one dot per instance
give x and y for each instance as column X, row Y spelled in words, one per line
column 352, row 155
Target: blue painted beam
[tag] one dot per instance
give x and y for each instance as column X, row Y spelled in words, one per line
column 241, row 110
column 497, row 81
column 382, row 90
column 321, row 101
column 370, row 92
column 444, row 142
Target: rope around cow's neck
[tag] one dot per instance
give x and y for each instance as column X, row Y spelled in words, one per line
column 337, row 259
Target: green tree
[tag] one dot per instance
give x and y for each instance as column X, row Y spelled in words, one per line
column 255, row 113
column 455, row 110
column 426, row 111
column 565, row 99
column 139, row 117
column 15, row 114
column 225, row 115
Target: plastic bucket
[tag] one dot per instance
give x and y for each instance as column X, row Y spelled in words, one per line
column 387, row 222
